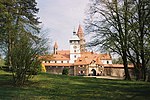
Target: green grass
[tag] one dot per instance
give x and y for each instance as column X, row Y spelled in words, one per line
column 57, row 87
column 2, row 62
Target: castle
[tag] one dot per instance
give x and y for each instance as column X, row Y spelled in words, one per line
column 79, row 61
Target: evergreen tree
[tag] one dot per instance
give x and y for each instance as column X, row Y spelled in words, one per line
column 19, row 37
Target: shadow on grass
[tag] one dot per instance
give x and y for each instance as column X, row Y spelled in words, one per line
column 46, row 86
column 5, row 79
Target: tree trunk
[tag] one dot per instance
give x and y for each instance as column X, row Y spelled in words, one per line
column 125, row 63
column 141, row 15
column 143, row 67
column 148, row 80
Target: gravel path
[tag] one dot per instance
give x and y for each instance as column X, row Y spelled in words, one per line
column 106, row 77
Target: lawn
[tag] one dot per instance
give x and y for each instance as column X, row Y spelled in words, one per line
column 2, row 62
column 57, row 87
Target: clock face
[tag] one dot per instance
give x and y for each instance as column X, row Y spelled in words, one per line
column 74, row 47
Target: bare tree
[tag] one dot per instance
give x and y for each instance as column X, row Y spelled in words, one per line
column 139, row 36
column 122, row 26
column 109, row 22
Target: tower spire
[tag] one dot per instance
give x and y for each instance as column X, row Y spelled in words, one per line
column 81, row 36
column 80, row 31
column 55, row 48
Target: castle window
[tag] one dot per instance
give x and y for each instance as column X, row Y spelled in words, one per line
column 107, row 62
column 75, row 56
column 67, row 61
column 55, row 61
column 61, row 61
column 74, row 50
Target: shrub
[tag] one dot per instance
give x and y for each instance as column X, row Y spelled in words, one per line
column 25, row 60
column 65, row 71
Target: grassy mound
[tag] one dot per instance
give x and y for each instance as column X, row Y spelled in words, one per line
column 59, row 87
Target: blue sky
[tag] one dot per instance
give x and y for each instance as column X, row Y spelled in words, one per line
column 61, row 17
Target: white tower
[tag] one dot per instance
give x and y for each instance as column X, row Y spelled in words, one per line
column 74, row 48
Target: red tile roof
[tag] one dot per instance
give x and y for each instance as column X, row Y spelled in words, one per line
column 86, row 58
column 117, row 65
column 105, row 56
column 62, row 55
column 58, row 64
column 63, row 52
column 81, row 61
column 46, row 57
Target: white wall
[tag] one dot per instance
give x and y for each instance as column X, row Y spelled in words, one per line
column 59, row 61
column 105, row 61
column 77, row 48
column 52, row 61
column 72, row 57
column 72, row 49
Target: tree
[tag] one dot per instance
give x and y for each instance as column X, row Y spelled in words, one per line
column 17, row 15
column 138, row 51
column 148, row 71
column 119, row 61
column 108, row 22
column 19, row 35
column 143, row 12
column 25, row 59
column 122, row 27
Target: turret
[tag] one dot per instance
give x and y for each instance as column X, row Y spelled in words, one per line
column 55, row 48
column 81, row 37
